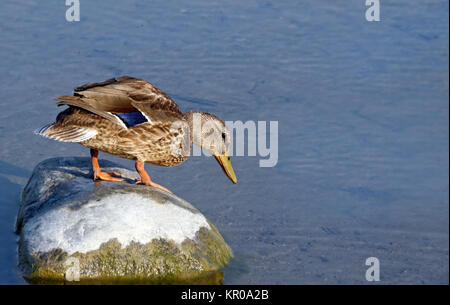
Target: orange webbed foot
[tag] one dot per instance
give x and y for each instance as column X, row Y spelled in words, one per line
column 151, row 183
column 107, row 176
column 145, row 178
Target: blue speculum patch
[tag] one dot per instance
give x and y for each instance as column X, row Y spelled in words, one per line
column 132, row 118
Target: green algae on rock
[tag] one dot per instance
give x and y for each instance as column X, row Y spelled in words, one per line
column 115, row 232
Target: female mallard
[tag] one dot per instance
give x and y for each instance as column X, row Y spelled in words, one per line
column 130, row 118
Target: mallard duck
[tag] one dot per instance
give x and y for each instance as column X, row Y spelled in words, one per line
column 130, row 118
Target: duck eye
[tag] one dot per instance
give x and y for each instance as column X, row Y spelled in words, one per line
column 224, row 136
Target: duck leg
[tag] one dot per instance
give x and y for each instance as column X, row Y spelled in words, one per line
column 98, row 174
column 145, row 178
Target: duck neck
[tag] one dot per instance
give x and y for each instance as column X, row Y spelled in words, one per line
column 194, row 119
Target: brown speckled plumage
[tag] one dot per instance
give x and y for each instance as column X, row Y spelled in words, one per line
column 130, row 118
column 145, row 142
column 150, row 142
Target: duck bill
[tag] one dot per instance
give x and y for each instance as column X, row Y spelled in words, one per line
column 225, row 163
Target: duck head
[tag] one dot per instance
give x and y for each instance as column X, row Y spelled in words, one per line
column 210, row 133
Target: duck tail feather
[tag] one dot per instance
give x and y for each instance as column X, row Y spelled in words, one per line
column 65, row 133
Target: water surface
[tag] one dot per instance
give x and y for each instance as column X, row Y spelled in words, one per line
column 362, row 110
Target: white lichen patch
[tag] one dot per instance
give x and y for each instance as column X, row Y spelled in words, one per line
column 127, row 217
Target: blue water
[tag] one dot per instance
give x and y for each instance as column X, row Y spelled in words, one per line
column 362, row 109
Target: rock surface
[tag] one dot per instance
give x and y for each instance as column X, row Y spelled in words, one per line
column 111, row 231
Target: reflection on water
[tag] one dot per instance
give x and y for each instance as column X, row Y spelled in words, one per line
column 211, row 278
column 362, row 110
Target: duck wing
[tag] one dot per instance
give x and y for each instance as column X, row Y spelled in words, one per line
column 117, row 98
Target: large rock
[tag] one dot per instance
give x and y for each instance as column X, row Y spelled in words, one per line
column 112, row 231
